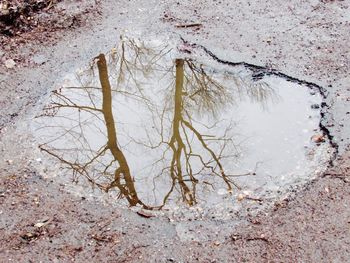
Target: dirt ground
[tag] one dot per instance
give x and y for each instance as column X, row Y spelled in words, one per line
column 40, row 221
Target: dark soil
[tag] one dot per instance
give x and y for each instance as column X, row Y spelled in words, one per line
column 18, row 17
column 35, row 22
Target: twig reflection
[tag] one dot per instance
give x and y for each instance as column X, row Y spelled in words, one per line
column 185, row 152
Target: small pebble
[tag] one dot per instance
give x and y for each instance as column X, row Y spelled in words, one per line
column 317, row 138
column 10, row 63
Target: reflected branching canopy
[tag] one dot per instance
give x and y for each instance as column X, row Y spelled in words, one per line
column 187, row 149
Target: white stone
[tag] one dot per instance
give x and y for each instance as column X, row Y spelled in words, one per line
column 10, row 63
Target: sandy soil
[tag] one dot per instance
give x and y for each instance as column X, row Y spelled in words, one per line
column 41, row 221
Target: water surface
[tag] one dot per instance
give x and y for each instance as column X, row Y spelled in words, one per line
column 159, row 129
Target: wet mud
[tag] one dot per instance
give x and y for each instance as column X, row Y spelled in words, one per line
column 47, row 217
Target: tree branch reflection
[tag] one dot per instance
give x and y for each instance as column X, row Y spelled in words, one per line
column 185, row 154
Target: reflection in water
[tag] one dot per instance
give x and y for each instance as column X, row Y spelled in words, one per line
column 179, row 142
column 162, row 124
column 123, row 171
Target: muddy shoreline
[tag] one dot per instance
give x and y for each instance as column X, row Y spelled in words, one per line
column 41, row 221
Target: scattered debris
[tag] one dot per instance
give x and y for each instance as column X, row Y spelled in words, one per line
column 19, row 16
column 217, row 243
column 236, row 237
column 315, row 106
column 102, row 238
column 144, row 214
column 280, row 204
column 247, row 195
column 38, row 225
column 29, row 236
column 261, row 237
column 241, row 197
column 189, row 25
column 254, row 221
column 43, row 222
column 318, row 138
column 10, row 63
column 344, row 177
column 257, row 199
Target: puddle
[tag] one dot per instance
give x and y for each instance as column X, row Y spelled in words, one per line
column 159, row 130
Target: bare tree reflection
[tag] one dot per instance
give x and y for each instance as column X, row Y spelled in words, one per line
column 185, row 152
column 122, row 178
column 123, row 171
column 206, row 93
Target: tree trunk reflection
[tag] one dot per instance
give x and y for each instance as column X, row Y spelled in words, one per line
column 184, row 152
